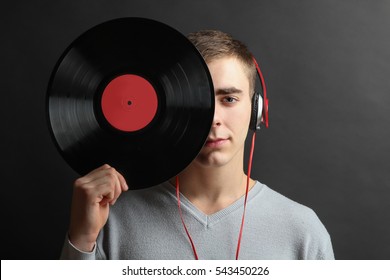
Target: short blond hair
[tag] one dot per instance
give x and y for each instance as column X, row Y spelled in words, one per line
column 215, row 44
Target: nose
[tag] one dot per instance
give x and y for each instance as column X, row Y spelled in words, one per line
column 217, row 120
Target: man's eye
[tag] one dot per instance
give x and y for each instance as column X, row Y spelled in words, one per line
column 229, row 99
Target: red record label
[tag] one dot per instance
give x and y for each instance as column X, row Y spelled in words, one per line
column 129, row 102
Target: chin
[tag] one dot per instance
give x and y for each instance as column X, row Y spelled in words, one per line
column 211, row 160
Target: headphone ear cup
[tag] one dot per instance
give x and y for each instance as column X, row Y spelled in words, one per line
column 257, row 110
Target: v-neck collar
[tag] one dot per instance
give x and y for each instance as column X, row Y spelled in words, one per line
column 212, row 219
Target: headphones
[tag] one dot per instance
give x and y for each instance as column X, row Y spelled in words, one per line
column 259, row 104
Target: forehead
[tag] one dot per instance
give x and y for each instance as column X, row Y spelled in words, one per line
column 228, row 72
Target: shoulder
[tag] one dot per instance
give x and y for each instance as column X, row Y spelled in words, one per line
column 298, row 223
column 283, row 206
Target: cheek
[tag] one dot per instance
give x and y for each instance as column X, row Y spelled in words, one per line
column 239, row 120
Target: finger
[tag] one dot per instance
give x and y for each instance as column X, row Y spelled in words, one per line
column 93, row 175
column 122, row 181
column 103, row 185
column 99, row 189
column 117, row 188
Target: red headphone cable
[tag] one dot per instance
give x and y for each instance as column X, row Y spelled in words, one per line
column 245, row 202
column 182, row 219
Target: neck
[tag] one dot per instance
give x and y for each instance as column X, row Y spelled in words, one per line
column 212, row 188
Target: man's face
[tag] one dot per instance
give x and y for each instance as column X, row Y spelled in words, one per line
column 232, row 113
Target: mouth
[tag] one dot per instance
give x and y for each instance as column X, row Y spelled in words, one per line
column 215, row 142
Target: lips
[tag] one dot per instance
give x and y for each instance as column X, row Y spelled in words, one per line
column 215, row 142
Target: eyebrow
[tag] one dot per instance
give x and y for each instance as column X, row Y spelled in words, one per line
column 230, row 90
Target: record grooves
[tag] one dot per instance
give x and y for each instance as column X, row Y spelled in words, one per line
column 133, row 93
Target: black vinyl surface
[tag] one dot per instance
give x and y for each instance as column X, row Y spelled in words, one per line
column 179, row 76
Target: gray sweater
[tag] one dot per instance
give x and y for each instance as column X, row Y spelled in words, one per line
column 145, row 224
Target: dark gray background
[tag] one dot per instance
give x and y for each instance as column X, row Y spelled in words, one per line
column 327, row 67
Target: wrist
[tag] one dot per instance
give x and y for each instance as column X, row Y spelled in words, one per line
column 83, row 244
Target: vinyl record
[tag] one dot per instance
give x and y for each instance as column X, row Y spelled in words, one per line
column 133, row 93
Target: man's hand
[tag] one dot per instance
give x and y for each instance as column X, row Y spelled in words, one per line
column 92, row 196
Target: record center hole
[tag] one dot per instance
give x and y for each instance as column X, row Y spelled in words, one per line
column 129, row 102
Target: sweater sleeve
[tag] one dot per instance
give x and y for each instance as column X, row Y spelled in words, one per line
column 328, row 253
column 317, row 241
column 70, row 252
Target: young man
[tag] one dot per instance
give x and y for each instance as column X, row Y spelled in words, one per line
column 145, row 224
